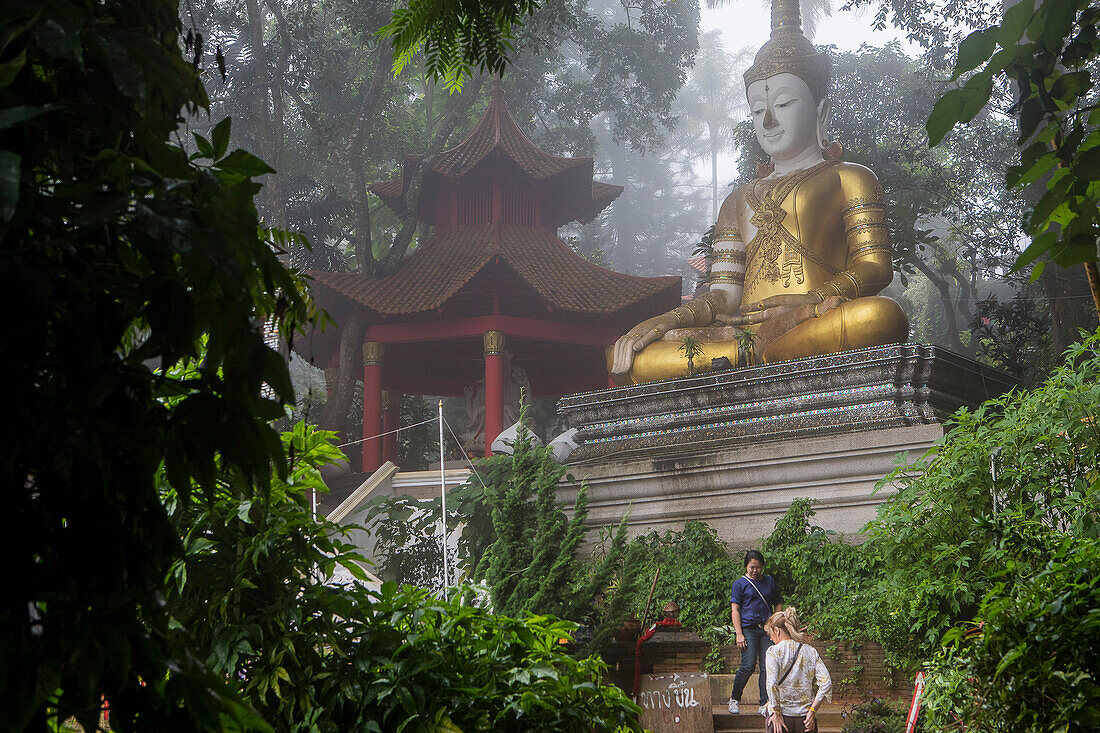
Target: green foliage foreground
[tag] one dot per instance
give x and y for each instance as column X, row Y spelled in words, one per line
column 313, row 656
column 161, row 555
column 122, row 256
column 1030, row 663
column 1010, row 484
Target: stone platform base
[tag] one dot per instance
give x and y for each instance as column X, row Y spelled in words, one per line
column 735, row 448
column 740, row 492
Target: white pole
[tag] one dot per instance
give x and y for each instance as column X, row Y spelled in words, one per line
column 443, row 494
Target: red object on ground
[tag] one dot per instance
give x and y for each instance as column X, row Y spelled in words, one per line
column 665, row 623
column 914, row 707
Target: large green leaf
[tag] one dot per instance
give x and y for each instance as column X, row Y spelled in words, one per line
column 243, row 163
column 11, row 68
column 1015, row 22
column 1069, row 86
column 1087, row 165
column 1053, row 21
column 958, row 105
column 18, row 115
column 974, row 51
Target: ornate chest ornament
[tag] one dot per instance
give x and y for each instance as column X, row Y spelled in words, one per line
column 772, row 239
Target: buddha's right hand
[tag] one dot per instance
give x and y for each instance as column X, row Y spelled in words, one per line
column 637, row 339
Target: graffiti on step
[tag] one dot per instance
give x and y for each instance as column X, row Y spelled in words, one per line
column 676, row 702
column 670, row 698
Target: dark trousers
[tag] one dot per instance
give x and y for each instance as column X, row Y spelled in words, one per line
column 756, row 644
column 795, row 724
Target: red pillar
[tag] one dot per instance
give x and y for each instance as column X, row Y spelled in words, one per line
column 494, row 387
column 391, row 413
column 373, row 355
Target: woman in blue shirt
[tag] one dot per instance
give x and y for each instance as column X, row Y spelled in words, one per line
column 753, row 599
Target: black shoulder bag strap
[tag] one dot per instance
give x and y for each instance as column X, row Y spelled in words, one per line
column 759, row 593
column 790, row 666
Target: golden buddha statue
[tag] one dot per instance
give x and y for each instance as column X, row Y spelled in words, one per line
column 799, row 254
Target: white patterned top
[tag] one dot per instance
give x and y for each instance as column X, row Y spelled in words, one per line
column 795, row 695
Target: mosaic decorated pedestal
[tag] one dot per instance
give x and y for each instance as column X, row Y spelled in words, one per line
column 736, row 447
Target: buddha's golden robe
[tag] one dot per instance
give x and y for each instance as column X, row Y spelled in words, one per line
column 821, row 229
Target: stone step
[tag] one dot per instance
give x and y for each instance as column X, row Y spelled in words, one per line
column 829, row 719
column 722, row 684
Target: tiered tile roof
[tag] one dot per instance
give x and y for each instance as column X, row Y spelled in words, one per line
column 543, row 263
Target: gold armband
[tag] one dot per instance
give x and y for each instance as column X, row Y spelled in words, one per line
column 871, row 249
column 865, row 225
column 727, row 278
column 846, row 284
column 726, row 234
column 701, row 309
column 856, row 282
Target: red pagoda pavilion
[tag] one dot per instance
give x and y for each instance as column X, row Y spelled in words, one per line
column 494, row 277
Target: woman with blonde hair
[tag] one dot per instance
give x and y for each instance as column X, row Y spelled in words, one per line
column 793, row 667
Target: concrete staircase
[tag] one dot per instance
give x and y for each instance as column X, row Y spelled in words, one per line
column 829, row 718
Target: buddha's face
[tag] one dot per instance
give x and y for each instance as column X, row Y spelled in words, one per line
column 785, row 116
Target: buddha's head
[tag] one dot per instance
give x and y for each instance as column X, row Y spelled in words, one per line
column 787, row 88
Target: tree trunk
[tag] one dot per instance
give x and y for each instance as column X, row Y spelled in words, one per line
column 277, row 196
column 1068, row 292
column 948, row 304
column 1094, row 284
column 457, row 107
column 269, row 143
column 351, row 349
column 351, row 337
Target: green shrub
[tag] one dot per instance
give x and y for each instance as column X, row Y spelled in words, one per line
column 875, row 716
column 835, row 585
column 252, row 595
column 696, row 572
column 1010, row 482
column 1007, row 485
column 517, row 540
column 1029, row 663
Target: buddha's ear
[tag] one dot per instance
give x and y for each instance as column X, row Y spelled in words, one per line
column 824, row 112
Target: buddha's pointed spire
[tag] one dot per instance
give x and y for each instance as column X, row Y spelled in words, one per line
column 786, row 17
